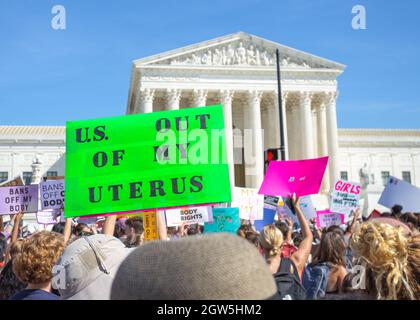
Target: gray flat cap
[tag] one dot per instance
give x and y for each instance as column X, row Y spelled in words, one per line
column 204, row 267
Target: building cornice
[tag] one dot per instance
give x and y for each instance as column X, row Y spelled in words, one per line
column 239, row 69
column 378, row 132
column 55, row 135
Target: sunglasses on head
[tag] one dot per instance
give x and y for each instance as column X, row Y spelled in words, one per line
column 85, row 234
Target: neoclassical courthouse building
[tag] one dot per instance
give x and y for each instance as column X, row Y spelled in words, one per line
column 238, row 71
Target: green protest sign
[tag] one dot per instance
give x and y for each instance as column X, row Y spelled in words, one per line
column 146, row 161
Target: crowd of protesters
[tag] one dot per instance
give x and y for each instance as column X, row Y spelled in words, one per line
column 366, row 259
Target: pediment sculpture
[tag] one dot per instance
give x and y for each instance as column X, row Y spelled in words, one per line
column 239, row 53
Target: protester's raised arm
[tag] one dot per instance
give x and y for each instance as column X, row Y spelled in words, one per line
column 16, row 227
column 290, row 230
column 109, row 225
column 1, row 223
column 161, row 225
column 9, row 226
column 301, row 255
column 182, row 230
column 67, row 230
column 353, row 223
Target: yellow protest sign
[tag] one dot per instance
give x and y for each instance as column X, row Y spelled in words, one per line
column 150, row 226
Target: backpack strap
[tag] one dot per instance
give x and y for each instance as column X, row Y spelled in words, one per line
column 288, row 280
column 287, row 266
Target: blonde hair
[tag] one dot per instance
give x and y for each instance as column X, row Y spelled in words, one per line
column 38, row 255
column 384, row 250
column 271, row 239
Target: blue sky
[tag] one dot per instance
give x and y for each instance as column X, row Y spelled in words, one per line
column 49, row 76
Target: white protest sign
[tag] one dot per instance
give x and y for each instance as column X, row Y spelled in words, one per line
column 19, row 199
column 307, row 207
column 192, row 215
column 249, row 202
column 402, row 193
column 283, row 211
column 326, row 219
column 52, row 194
column 345, row 197
column 47, row 216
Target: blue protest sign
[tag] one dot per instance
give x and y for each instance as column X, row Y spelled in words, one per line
column 400, row 192
column 224, row 220
column 269, row 215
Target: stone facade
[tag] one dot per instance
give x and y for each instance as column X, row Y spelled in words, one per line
column 21, row 146
column 238, row 71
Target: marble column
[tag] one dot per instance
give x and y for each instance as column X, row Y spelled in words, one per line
column 315, row 130
column 199, row 97
column 247, row 137
column 294, row 132
column 332, row 134
column 306, row 125
column 322, row 143
column 226, row 98
column 254, row 102
column 145, row 101
column 173, row 96
column 270, row 122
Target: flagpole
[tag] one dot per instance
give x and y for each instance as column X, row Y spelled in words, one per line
column 282, row 142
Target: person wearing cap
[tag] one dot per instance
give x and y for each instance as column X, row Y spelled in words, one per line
column 204, row 267
column 88, row 266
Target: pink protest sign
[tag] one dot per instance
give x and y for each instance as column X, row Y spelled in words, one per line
column 303, row 177
column 326, row 218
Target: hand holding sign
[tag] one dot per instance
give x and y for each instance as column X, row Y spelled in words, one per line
column 295, row 201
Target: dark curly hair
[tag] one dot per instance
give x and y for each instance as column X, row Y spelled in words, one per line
column 9, row 283
column 3, row 247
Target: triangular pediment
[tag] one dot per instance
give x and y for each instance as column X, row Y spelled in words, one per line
column 238, row 50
